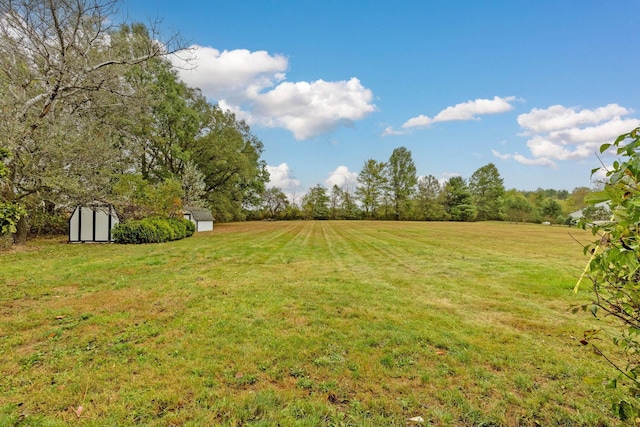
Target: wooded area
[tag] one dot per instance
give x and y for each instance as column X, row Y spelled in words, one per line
column 95, row 112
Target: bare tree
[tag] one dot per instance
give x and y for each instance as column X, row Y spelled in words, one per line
column 60, row 50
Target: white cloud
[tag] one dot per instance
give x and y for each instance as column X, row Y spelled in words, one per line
column 578, row 143
column 560, row 133
column 469, row 110
column 282, row 177
column 233, row 74
column 312, row 109
column 342, row 177
column 500, row 155
column 421, row 121
column 540, row 161
column 558, row 117
column 389, row 130
column 252, row 84
column 239, row 112
column 563, row 134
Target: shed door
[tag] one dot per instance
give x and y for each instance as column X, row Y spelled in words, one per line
column 86, row 225
column 102, row 226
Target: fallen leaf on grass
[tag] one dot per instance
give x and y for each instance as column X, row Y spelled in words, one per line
column 333, row 398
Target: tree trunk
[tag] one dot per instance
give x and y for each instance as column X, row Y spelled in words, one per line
column 20, row 236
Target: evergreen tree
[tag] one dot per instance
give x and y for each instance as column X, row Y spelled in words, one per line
column 316, row 203
column 487, row 188
column 459, row 200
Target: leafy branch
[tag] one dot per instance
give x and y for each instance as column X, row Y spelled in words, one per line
column 614, row 267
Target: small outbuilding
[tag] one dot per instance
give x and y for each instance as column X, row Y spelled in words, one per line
column 201, row 217
column 603, row 207
column 92, row 224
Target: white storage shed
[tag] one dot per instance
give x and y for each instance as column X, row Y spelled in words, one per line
column 202, row 218
column 92, row 224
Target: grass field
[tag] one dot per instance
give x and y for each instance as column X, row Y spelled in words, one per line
column 302, row 323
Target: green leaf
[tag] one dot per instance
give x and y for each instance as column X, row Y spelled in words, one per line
column 597, row 197
column 604, row 147
column 625, row 411
column 621, row 138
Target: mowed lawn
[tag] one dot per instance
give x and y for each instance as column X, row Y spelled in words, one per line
column 302, row 323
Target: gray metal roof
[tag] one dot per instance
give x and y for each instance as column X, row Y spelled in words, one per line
column 578, row 214
column 199, row 214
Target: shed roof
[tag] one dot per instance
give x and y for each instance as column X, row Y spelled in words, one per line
column 578, row 214
column 199, row 214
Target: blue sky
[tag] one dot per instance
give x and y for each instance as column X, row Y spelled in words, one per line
column 532, row 86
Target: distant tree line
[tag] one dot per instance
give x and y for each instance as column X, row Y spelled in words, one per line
column 391, row 190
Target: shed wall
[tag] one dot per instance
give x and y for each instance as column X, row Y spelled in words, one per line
column 92, row 224
column 204, row 225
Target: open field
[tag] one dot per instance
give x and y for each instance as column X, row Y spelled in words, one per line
column 302, row 323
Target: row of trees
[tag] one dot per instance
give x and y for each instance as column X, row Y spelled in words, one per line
column 95, row 112
column 392, row 190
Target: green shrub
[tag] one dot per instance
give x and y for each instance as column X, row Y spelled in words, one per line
column 161, row 229
column 191, row 227
column 6, row 241
column 129, row 232
column 152, row 230
column 10, row 214
column 133, row 232
column 48, row 223
column 179, row 228
column 182, row 226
